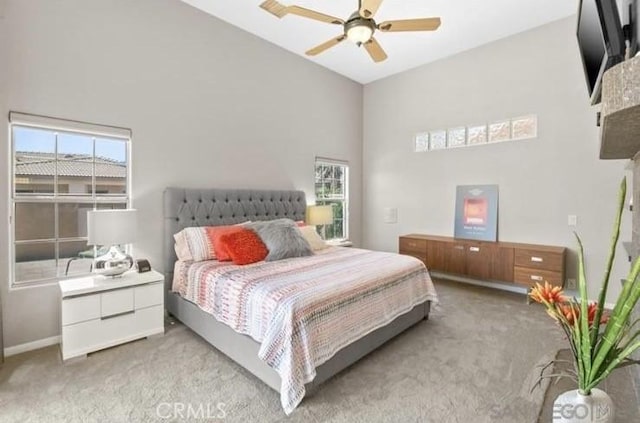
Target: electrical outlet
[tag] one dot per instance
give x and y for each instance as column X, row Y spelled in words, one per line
column 572, row 220
column 571, row 284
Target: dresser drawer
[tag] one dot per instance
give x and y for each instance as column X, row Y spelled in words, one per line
column 149, row 295
column 116, row 302
column 528, row 276
column 411, row 245
column 80, row 309
column 538, row 259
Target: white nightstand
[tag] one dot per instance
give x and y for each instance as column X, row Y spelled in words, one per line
column 100, row 312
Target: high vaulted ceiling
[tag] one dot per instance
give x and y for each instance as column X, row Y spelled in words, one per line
column 465, row 24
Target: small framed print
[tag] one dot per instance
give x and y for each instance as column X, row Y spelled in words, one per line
column 524, row 127
column 437, row 140
column 477, row 135
column 500, row 131
column 457, row 137
column 422, row 142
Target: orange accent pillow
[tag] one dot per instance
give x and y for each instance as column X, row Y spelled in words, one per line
column 214, row 233
column 244, row 246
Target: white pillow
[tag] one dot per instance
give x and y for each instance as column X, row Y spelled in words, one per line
column 311, row 235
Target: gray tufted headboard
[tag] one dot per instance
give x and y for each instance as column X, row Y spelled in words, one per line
column 214, row 207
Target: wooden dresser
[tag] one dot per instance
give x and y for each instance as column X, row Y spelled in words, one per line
column 523, row 264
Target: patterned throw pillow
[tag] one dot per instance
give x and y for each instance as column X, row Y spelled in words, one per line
column 198, row 243
column 282, row 238
column 244, row 246
column 182, row 247
column 194, row 244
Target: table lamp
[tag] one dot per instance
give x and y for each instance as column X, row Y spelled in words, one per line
column 112, row 228
column 320, row 215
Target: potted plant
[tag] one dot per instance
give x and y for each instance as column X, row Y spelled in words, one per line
column 600, row 340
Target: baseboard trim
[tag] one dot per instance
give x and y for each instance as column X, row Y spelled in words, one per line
column 30, row 346
column 506, row 286
column 486, row 284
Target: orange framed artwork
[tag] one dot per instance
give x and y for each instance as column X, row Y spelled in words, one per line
column 476, row 212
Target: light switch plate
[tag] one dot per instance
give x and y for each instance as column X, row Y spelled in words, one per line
column 390, row 215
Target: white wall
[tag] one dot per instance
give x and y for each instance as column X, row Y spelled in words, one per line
column 209, row 106
column 3, row 112
column 541, row 181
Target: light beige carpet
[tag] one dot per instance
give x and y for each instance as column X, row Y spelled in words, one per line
column 473, row 361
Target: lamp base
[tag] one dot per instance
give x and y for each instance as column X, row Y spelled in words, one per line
column 114, row 263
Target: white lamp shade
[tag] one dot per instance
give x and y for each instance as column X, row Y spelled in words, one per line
column 319, row 215
column 111, row 227
column 359, row 34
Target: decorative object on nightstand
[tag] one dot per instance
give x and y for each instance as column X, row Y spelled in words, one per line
column 112, row 228
column 99, row 313
column 320, row 216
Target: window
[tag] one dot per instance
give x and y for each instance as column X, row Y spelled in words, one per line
column 60, row 170
column 332, row 188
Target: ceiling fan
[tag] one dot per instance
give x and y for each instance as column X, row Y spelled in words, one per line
column 359, row 27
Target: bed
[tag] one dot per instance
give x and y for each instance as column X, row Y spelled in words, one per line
column 213, row 207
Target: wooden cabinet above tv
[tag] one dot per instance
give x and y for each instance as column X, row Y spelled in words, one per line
column 523, row 264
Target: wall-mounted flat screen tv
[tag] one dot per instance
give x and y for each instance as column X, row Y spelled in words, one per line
column 601, row 41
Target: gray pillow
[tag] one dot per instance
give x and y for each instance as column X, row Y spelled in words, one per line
column 282, row 238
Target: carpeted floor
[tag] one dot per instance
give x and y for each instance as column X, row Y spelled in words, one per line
column 474, row 360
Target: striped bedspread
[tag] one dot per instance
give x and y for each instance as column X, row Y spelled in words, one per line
column 304, row 310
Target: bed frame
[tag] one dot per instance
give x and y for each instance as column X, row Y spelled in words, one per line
column 212, row 207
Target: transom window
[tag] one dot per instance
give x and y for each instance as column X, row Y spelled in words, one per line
column 332, row 188
column 61, row 170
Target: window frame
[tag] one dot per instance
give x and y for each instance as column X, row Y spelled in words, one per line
column 345, row 196
column 59, row 126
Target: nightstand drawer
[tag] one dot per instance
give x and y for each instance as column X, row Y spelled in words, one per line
column 80, row 309
column 93, row 335
column 539, row 259
column 149, row 295
column 116, row 302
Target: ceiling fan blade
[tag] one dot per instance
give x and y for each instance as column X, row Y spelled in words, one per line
column 368, row 8
column 280, row 10
column 375, row 50
column 325, row 46
column 426, row 24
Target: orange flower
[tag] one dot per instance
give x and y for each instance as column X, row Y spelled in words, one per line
column 570, row 311
column 547, row 294
column 566, row 310
column 592, row 314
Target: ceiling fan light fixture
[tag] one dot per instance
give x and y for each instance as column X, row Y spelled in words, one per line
column 359, row 30
column 359, row 34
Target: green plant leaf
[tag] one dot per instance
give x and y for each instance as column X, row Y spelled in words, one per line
column 585, row 337
column 622, row 193
column 614, row 364
column 618, row 319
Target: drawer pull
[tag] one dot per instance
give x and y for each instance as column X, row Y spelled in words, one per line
column 117, row 315
column 537, row 259
column 413, row 244
column 459, row 247
column 536, row 278
column 474, row 249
